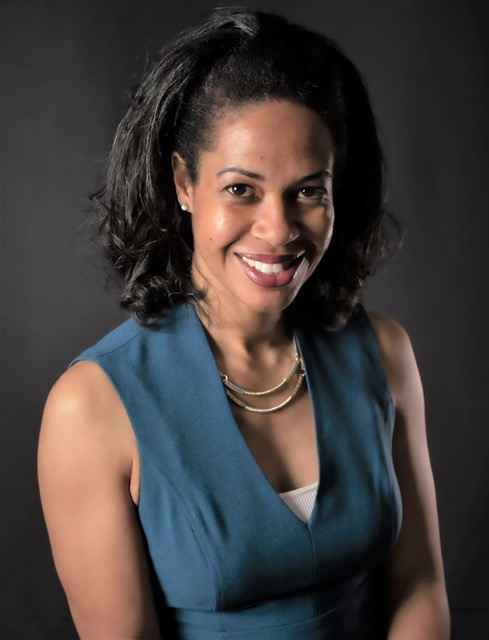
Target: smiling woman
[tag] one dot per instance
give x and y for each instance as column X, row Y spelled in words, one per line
column 247, row 456
column 262, row 208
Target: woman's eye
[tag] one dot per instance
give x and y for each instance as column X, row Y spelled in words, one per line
column 240, row 190
column 313, row 193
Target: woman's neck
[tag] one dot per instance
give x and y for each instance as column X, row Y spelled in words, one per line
column 243, row 332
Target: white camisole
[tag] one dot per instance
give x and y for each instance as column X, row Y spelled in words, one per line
column 301, row 501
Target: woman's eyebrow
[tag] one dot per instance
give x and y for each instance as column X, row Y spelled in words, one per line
column 314, row 176
column 248, row 174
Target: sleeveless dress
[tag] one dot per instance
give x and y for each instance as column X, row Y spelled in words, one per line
column 231, row 560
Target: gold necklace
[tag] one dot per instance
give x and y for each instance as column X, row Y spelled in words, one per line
column 234, row 387
column 230, row 387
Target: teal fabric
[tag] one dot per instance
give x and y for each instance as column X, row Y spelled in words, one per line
column 231, row 559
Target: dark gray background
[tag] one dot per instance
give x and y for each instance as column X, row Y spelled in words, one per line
column 65, row 66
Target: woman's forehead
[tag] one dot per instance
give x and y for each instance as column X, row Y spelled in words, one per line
column 271, row 130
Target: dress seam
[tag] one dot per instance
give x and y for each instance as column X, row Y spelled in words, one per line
column 313, row 571
column 91, row 354
column 188, row 513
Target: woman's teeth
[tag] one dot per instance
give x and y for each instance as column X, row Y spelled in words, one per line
column 267, row 267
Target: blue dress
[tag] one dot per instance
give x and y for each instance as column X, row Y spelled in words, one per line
column 231, row 560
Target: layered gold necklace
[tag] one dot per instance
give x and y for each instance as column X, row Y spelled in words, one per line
column 231, row 388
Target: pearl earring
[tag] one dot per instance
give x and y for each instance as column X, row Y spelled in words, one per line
column 184, row 207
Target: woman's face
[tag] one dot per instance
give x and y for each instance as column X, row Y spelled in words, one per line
column 262, row 209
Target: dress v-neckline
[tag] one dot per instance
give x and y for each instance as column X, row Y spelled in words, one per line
column 253, row 465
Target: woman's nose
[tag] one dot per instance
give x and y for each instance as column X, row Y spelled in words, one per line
column 276, row 223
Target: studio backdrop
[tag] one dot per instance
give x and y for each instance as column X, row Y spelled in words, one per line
column 66, row 66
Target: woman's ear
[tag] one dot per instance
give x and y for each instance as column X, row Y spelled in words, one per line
column 183, row 184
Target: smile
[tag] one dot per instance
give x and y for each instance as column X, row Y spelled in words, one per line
column 271, row 271
column 268, row 267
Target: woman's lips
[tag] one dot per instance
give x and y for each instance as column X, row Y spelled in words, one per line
column 269, row 270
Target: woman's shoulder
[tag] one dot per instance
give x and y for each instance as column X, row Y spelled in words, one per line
column 397, row 355
column 116, row 339
column 131, row 340
column 83, row 391
column 85, row 428
column 391, row 335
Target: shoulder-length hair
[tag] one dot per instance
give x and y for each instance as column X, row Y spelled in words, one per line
column 236, row 56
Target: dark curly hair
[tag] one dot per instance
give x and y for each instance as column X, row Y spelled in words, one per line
column 236, row 56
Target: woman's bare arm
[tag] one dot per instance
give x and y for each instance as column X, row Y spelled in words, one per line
column 87, row 451
column 415, row 577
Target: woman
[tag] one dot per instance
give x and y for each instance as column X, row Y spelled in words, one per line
column 233, row 465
